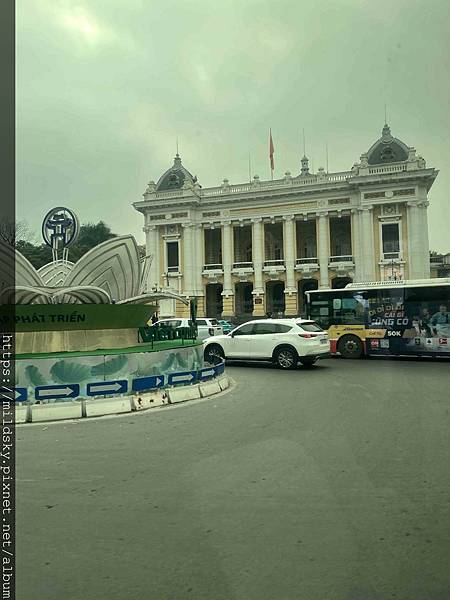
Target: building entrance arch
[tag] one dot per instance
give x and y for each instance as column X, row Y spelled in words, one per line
column 243, row 299
column 340, row 282
column 275, row 298
column 305, row 285
column 214, row 300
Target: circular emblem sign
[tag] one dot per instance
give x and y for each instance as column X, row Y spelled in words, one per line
column 60, row 228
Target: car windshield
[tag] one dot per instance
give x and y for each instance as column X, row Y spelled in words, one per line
column 214, row 321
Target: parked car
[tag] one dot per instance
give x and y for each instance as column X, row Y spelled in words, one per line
column 205, row 327
column 226, row 326
column 285, row 342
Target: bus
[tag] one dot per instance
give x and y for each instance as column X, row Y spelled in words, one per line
column 385, row 318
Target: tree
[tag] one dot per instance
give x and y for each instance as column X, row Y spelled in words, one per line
column 12, row 233
column 37, row 255
column 91, row 234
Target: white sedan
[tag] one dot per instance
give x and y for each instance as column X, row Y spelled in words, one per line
column 285, row 342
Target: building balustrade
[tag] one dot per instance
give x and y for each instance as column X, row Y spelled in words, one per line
column 312, row 260
column 274, row 262
column 243, row 265
column 340, row 259
column 387, row 169
column 213, row 267
column 391, row 255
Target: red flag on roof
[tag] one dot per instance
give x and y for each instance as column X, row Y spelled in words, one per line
column 271, row 151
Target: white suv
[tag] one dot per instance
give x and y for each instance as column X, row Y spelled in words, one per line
column 282, row 341
column 205, row 327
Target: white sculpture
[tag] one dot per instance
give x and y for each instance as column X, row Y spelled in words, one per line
column 111, row 272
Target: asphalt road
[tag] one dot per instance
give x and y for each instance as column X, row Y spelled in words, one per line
column 328, row 483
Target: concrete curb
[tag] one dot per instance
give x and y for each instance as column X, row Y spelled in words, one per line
column 209, row 388
column 183, row 393
column 22, row 413
column 150, row 400
column 109, row 406
column 58, row 411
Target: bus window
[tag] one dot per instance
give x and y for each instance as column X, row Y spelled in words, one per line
column 428, row 309
column 319, row 310
column 348, row 308
column 342, row 308
column 385, row 304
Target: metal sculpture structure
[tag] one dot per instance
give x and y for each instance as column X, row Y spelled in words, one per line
column 111, row 273
column 60, row 230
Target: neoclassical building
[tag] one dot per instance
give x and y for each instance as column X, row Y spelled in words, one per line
column 252, row 248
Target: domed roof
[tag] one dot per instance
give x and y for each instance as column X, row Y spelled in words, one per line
column 387, row 149
column 175, row 177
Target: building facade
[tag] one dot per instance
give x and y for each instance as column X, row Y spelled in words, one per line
column 256, row 248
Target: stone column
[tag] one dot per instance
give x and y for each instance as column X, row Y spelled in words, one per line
column 415, row 246
column 227, row 259
column 423, row 223
column 198, row 268
column 258, row 263
column 367, row 244
column 188, row 262
column 289, row 261
column 356, row 243
column 152, row 249
column 323, row 249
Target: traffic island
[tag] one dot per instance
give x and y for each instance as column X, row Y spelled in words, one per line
column 85, row 346
column 85, row 409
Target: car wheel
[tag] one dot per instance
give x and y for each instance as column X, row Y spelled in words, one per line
column 350, row 346
column 286, row 358
column 214, row 354
column 308, row 362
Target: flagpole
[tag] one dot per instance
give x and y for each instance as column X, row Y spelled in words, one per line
column 271, row 151
column 249, row 168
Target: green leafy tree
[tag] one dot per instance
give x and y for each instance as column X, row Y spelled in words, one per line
column 91, row 234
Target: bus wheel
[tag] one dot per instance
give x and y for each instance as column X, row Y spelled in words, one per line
column 350, row 346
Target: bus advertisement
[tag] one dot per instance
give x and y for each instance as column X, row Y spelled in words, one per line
column 385, row 318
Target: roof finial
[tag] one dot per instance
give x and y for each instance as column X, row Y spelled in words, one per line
column 304, row 146
column 177, row 146
column 385, row 115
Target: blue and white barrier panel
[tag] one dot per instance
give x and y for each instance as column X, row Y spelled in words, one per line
column 107, row 388
column 117, row 387
column 21, row 393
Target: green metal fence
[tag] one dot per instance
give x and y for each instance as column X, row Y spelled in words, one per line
column 161, row 333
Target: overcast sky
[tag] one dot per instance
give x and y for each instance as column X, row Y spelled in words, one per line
column 104, row 87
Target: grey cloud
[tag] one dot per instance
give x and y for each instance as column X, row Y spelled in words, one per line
column 97, row 116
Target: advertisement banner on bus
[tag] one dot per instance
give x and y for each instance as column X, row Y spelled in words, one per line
column 409, row 327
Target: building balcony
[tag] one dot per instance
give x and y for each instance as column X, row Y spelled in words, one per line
column 274, row 262
column 173, row 271
column 310, row 260
column 337, row 260
column 342, row 266
column 243, row 265
column 213, row 267
column 307, row 265
column 274, row 266
column 388, row 257
column 242, row 268
column 212, row 272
